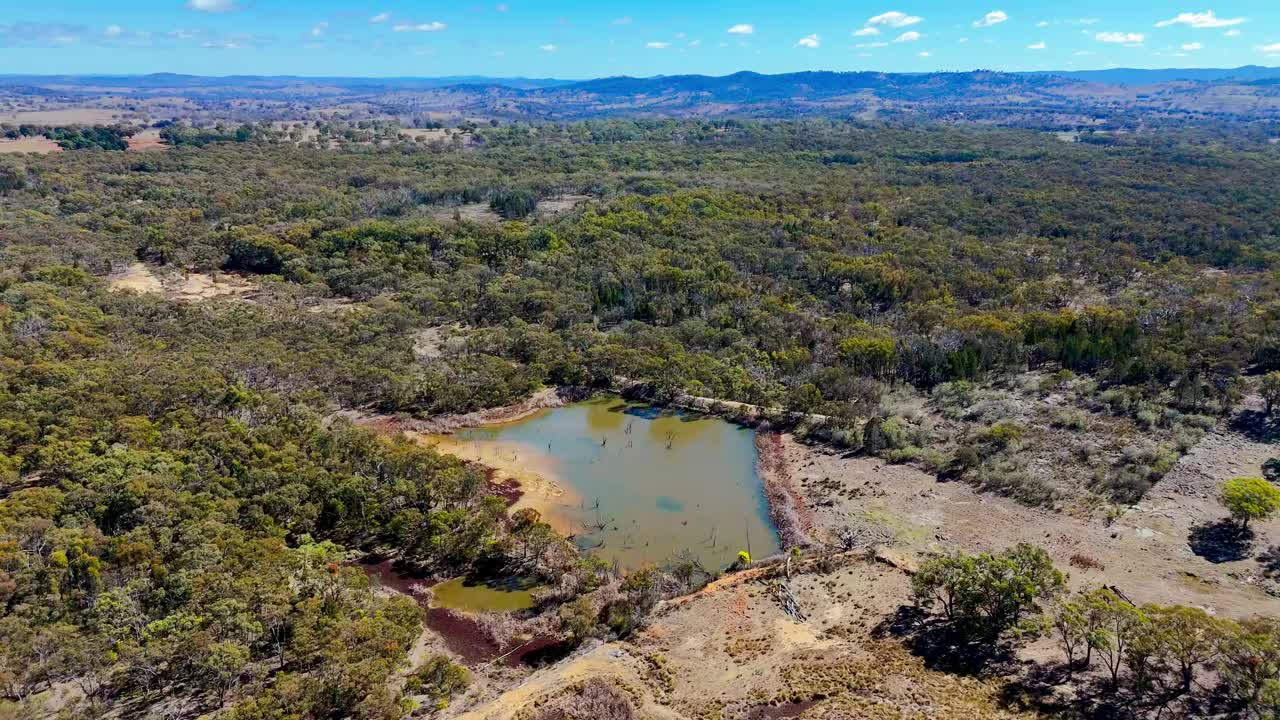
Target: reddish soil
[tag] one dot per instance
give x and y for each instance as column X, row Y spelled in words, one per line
column 393, row 578
column 509, row 490
column 146, row 141
column 789, row 514
column 462, row 636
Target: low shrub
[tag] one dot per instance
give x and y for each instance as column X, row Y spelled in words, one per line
column 1008, row 477
column 1069, row 419
column 439, row 679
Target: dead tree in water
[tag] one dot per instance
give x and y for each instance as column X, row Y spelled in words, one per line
column 671, row 436
column 601, row 523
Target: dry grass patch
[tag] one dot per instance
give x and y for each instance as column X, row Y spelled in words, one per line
column 39, row 145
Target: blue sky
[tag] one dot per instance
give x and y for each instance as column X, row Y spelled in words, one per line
column 538, row 38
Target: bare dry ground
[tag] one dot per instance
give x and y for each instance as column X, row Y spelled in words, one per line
column 470, row 212
column 731, row 651
column 62, row 116
column 1147, row 551
column 148, row 139
column 187, row 287
column 561, row 204
column 40, row 145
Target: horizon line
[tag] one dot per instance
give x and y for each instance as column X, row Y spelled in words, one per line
column 1121, row 68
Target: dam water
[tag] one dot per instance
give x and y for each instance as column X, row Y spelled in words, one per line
column 632, row 483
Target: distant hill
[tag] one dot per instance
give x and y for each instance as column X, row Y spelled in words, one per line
column 1057, row 99
column 1136, row 76
column 165, row 81
column 749, row 86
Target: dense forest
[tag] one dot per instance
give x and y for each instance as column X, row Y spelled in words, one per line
column 180, row 502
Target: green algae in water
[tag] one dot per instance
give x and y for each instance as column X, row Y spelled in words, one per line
column 647, row 484
column 461, row 594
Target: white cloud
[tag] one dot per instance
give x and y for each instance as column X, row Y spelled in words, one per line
column 695, row 43
column 26, row 34
column 891, row 19
column 319, row 29
column 434, row 26
column 894, row 19
column 548, row 48
column 1189, row 47
column 1037, row 46
column 872, row 45
column 909, row 36
column 1084, row 53
column 1272, row 48
column 1042, row 24
column 113, row 31
column 380, row 18
column 1120, row 37
column 742, row 29
column 1233, row 32
column 809, row 41
column 233, row 41
column 657, row 45
column 1201, row 20
column 626, row 20
column 995, row 17
column 213, row 6
column 925, row 53
column 963, row 40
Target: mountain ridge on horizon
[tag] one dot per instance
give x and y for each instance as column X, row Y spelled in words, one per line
column 1121, row 75
column 1050, row 99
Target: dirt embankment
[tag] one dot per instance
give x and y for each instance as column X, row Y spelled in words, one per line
column 786, row 508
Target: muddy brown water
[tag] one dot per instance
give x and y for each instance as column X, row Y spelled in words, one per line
column 632, row 483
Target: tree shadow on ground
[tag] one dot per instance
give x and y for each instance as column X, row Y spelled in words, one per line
column 1048, row 689
column 1257, row 426
column 1221, row 541
column 1269, row 559
column 946, row 646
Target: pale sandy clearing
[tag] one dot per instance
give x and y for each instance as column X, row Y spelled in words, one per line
column 189, row 287
column 65, row 116
column 39, row 145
